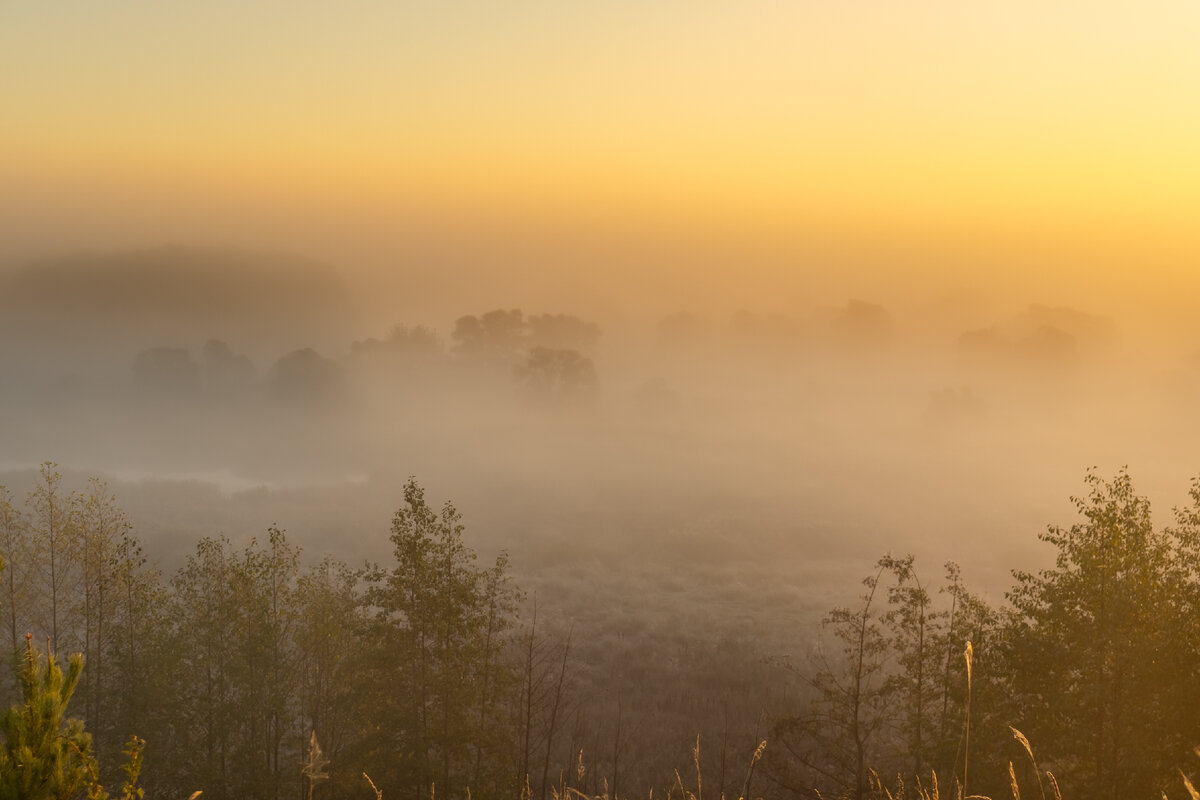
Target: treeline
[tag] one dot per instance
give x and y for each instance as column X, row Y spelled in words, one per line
column 1094, row 661
column 425, row 673
column 413, row 672
column 548, row 356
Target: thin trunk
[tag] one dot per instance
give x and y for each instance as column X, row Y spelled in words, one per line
column 133, row 666
column 12, row 607
column 918, row 753
column 949, row 661
column 526, row 743
column 275, row 687
column 10, row 546
column 89, row 682
column 617, row 747
column 920, row 691
column 484, row 687
column 860, row 743
column 724, row 747
column 53, row 578
column 562, row 674
column 99, row 649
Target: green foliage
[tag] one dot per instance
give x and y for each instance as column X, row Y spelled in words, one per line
column 1087, row 642
column 45, row 756
column 328, row 627
column 133, row 769
column 435, row 636
column 231, row 621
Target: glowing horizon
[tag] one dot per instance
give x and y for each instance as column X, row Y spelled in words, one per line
column 1068, row 125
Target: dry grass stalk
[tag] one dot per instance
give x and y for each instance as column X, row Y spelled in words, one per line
column 754, row 759
column 932, row 792
column 314, row 768
column 1020, row 737
column 1187, row 784
column 682, row 791
column 1054, row 785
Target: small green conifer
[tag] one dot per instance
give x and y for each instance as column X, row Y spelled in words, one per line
column 45, row 756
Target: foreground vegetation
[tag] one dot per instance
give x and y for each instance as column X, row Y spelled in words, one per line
column 433, row 675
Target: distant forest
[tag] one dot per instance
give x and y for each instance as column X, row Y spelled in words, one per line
column 250, row 676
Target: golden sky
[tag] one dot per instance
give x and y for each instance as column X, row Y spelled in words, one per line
column 1069, row 121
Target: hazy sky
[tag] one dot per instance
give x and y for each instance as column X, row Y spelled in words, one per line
column 1063, row 124
column 626, row 159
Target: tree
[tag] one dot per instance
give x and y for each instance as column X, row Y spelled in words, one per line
column 328, row 622
column 557, row 378
column 234, row 680
column 834, row 744
column 496, row 678
column 496, row 335
column 202, row 725
column 555, row 707
column 562, row 332
column 100, row 524
column 438, row 621
column 893, row 696
column 970, row 619
column 45, row 757
column 139, row 652
column 305, row 378
column 1181, row 613
column 1087, row 644
column 52, row 532
column 264, row 666
column 913, row 626
column 14, row 544
column 401, row 341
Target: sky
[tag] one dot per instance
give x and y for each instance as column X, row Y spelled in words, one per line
column 1055, row 127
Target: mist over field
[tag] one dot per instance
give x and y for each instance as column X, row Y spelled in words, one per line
column 790, row 440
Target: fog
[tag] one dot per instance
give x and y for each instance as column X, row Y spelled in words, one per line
column 627, row 421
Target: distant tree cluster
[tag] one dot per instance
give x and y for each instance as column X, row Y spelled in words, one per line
column 548, row 353
column 401, row 341
column 547, row 356
column 1043, row 339
column 507, row 334
column 172, row 371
